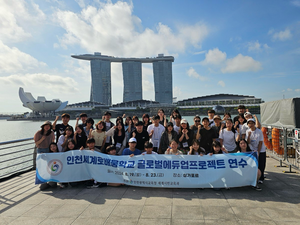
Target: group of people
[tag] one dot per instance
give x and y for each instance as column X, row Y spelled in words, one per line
column 157, row 135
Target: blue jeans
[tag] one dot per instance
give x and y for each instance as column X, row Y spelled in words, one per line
column 42, row 150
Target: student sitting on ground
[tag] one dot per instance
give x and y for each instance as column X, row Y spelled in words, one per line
column 111, row 150
column 217, row 148
column 91, row 145
column 172, row 150
column 44, row 186
column 131, row 150
column 195, row 149
column 148, row 148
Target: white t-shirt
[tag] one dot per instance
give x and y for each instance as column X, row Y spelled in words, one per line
column 211, row 122
column 228, row 138
column 60, row 141
column 176, row 128
column 244, row 128
column 155, row 139
column 241, row 129
column 145, row 153
column 255, row 137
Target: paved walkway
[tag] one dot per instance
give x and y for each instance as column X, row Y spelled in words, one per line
column 21, row 202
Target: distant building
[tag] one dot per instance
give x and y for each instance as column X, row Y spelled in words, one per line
column 84, row 106
column 101, row 81
column 162, row 71
column 220, row 99
column 134, row 104
column 41, row 104
column 132, row 77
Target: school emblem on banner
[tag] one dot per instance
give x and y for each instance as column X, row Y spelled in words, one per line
column 55, row 167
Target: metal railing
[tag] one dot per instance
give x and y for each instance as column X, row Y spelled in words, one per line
column 16, row 156
column 289, row 146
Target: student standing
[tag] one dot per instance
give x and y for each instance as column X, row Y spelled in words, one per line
column 140, row 135
column 255, row 139
column 155, row 131
column 99, row 135
column 229, row 137
column 185, row 136
column 211, row 113
column 63, row 139
column 194, row 127
column 80, row 137
column 162, row 117
column 167, row 136
column 60, row 128
column 108, row 125
column 119, row 138
column 44, row 137
column 206, row 134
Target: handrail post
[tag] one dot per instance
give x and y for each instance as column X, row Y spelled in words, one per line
column 34, row 157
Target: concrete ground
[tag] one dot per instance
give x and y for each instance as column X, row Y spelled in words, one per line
column 21, row 202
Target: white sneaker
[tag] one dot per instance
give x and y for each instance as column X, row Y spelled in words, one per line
column 260, row 182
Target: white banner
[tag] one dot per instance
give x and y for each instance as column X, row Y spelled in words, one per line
column 172, row 171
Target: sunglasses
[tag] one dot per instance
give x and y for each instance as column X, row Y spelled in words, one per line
column 197, row 121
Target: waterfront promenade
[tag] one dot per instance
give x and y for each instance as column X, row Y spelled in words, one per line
column 21, row 202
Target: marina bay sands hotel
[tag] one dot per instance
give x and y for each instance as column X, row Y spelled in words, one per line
column 132, row 77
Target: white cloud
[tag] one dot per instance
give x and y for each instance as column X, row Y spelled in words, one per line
column 289, row 89
column 219, row 59
column 297, row 90
column 114, row 30
column 12, row 60
column 192, row 73
column 241, row 63
column 235, row 39
column 296, row 3
column 177, row 92
column 256, row 46
column 81, row 3
column 42, row 82
column 281, row 35
column 214, row 57
column 221, row 83
column 17, row 18
column 199, row 53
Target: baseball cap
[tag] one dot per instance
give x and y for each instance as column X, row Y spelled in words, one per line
column 132, row 140
column 247, row 114
column 183, row 121
column 250, row 120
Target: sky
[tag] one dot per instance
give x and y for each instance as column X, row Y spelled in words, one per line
column 233, row 47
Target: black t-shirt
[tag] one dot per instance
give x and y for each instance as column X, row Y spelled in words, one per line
column 146, row 126
column 59, row 130
column 216, row 129
column 81, row 141
column 141, row 138
column 207, row 137
column 195, row 130
column 118, row 139
column 185, row 144
column 163, row 121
